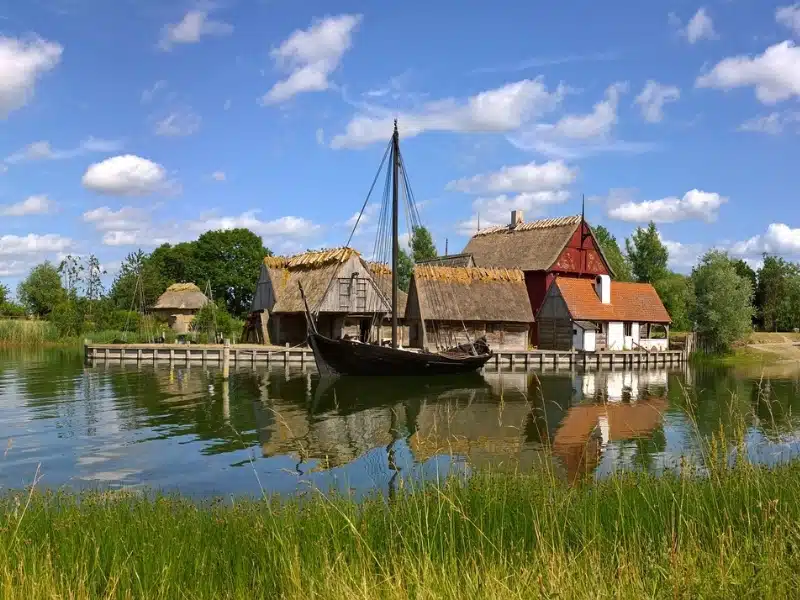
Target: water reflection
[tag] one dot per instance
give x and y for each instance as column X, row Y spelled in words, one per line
column 284, row 430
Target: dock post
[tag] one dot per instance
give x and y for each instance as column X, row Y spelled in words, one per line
column 226, row 360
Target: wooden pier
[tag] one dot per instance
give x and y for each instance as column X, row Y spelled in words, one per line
column 253, row 354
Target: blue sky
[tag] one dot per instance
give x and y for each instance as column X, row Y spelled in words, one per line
column 126, row 124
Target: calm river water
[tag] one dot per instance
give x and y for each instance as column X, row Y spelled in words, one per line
column 282, row 430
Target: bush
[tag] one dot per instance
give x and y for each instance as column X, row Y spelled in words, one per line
column 214, row 319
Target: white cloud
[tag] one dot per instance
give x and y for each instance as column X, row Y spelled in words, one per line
column 42, row 150
column 194, row 25
column 22, row 63
column 32, row 245
column 531, row 177
column 178, row 124
column 700, row 27
column 779, row 239
column 682, row 257
column 653, row 97
column 790, row 17
column 125, row 175
column 695, row 204
column 284, row 226
column 499, row 110
column 578, row 135
column 218, row 176
column 149, row 94
column 311, row 56
column 126, row 218
column 775, row 74
column 32, row 205
column 774, row 123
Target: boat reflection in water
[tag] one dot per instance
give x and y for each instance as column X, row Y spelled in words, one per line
column 586, row 423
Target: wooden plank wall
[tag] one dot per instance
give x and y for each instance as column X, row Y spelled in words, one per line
column 500, row 336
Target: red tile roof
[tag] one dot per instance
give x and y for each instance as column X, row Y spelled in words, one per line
column 629, row 301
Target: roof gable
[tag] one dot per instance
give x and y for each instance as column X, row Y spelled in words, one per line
column 181, row 296
column 629, row 301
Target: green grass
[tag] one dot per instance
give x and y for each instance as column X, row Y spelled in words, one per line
column 734, row 534
column 21, row 332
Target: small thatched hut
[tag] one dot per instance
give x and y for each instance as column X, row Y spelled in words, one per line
column 351, row 296
column 179, row 304
column 461, row 303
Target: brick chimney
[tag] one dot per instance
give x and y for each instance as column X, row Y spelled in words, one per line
column 516, row 218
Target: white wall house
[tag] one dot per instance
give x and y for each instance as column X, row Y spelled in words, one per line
column 597, row 314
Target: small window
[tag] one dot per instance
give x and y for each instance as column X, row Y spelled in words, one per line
column 574, row 332
column 628, row 329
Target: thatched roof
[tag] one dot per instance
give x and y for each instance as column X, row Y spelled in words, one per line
column 533, row 246
column 472, row 294
column 382, row 275
column 314, row 270
column 449, row 260
column 181, row 296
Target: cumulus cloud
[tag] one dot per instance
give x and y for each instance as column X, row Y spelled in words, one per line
column 125, row 175
column 775, row 74
column 780, row 239
column 32, row 205
column 695, row 204
column 19, row 253
column 531, row 177
column 106, row 219
column 22, row 64
column 653, row 97
column 498, row 110
column 700, row 27
column 284, row 226
column 195, row 25
column 529, row 187
column 789, row 16
column 311, row 56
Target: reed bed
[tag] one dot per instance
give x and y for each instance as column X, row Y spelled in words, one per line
column 23, row 332
column 734, row 533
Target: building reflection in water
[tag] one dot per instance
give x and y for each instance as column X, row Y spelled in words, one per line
column 586, row 422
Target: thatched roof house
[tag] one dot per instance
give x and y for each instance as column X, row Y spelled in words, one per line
column 449, row 260
column 490, row 302
column 179, row 304
column 349, row 295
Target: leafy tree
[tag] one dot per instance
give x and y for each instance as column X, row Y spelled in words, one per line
column 771, row 290
column 4, row 293
column 618, row 261
column 231, row 260
column 746, row 271
column 41, row 291
column 71, row 271
column 723, row 309
column 789, row 313
column 405, row 267
column 677, row 293
column 138, row 280
column 213, row 318
column 422, row 246
column 647, row 254
column 177, row 263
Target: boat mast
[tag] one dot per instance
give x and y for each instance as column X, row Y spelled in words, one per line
column 395, row 242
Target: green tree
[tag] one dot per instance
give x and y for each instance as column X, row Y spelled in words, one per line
column 138, row 282
column 177, row 263
column 214, row 319
column 723, row 308
column 746, row 271
column 789, row 313
column 231, row 260
column 677, row 293
column 771, row 291
column 405, row 267
column 617, row 260
column 647, row 254
column 4, row 293
column 422, row 246
column 41, row 291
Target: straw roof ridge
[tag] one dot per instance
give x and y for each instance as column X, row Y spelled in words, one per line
column 540, row 224
column 467, row 275
column 183, row 287
column 312, row 259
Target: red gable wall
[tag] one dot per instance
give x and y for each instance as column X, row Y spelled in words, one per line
column 573, row 261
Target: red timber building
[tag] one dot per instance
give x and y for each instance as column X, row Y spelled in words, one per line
column 544, row 249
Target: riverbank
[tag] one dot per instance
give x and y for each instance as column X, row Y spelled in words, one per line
column 735, row 533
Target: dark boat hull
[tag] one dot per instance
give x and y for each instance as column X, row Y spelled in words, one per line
column 344, row 357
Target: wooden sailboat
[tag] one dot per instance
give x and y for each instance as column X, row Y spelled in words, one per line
column 351, row 357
